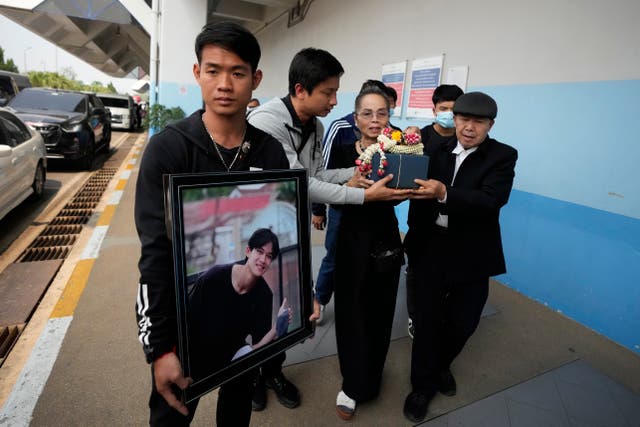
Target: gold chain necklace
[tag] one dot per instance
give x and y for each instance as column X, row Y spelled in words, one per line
column 215, row 145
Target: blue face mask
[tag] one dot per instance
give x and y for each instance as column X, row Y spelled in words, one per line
column 445, row 119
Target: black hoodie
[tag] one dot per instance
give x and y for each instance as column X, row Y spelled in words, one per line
column 183, row 147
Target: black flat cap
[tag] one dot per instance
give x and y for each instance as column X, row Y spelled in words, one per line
column 476, row 104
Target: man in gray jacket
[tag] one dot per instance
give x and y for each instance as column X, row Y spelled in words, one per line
column 314, row 80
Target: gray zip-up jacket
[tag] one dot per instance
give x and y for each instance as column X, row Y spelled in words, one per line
column 324, row 185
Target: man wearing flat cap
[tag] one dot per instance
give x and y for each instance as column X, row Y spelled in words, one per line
column 454, row 245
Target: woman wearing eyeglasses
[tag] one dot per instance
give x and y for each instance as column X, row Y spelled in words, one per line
column 367, row 270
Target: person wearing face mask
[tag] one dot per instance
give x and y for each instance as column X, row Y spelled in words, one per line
column 441, row 130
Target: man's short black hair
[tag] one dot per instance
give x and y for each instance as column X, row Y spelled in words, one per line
column 232, row 37
column 261, row 237
column 310, row 67
column 391, row 93
column 444, row 93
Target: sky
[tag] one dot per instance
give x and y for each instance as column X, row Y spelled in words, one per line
column 22, row 46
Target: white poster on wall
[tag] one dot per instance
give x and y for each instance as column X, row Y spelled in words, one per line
column 425, row 77
column 458, row 76
column 393, row 75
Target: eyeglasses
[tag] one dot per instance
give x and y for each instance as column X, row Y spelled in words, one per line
column 368, row 114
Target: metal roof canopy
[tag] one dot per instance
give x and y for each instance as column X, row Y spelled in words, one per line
column 255, row 15
column 102, row 33
column 114, row 35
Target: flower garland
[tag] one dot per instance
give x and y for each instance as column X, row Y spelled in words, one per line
column 392, row 141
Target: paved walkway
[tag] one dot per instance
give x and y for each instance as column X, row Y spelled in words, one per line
column 525, row 366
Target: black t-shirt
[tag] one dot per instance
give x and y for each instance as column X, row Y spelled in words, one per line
column 307, row 129
column 220, row 319
column 431, row 139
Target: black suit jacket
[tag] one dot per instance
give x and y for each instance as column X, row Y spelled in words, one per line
column 472, row 246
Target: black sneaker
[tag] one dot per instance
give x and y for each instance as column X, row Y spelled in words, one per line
column 447, row 384
column 416, row 404
column 286, row 392
column 259, row 401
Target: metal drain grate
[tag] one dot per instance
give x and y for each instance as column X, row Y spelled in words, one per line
column 57, row 238
column 45, row 241
column 8, row 336
column 44, row 254
column 66, row 220
column 53, row 230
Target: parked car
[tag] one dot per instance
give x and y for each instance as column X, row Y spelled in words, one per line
column 23, row 162
column 124, row 114
column 11, row 84
column 74, row 125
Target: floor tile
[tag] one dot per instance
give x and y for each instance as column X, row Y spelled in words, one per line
column 590, row 405
column 581, row 374
column 489, row 412
column 442, row 421
column 540, row 392
column 627, row 402
column 525, row 415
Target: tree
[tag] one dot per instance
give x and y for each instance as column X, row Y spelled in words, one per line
column 58, row 81
column 9, row 65
column 160, row 116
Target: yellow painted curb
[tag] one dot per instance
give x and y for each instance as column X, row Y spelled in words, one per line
column 107, row 215
column 75, row 286
column 121, row 184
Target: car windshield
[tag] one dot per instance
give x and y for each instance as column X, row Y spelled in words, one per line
column 115, row 102
column 45, row 100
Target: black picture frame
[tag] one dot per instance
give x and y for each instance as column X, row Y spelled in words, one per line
column 209, row 218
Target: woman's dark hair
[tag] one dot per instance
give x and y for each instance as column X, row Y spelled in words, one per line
column 310, row 67
column 261, row 237
column 371, row 90
column 387, row 90
column 445, row 93
column 232, row 37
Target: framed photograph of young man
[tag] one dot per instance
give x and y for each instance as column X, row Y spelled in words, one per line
column 242, row 270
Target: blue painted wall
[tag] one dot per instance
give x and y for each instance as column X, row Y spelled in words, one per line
column 186, row 96
column 581, row 261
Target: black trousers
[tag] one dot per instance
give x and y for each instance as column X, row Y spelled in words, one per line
column 446, row 313
column 273, row 366
column 365, row 302
column 233, row 408
column 410, row 284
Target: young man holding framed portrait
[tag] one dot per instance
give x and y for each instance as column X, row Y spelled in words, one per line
column 215, row 139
